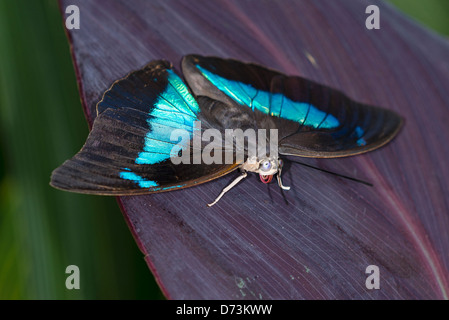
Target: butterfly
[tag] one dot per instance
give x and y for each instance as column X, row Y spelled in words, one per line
column 130, row 149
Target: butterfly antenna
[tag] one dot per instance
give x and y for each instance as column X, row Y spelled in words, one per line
column 334, row 173
column 229, row 187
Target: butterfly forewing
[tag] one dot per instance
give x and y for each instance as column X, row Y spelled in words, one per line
column 129, row 148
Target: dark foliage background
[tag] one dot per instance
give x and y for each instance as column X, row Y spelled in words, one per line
column 43, row 230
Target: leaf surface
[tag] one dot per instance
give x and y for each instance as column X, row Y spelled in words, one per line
column 316, row 240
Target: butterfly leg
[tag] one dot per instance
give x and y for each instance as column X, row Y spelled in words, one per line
column 229, row 187
column 279, row 177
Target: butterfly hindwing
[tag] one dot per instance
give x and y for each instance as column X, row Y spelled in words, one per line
column 313, row 120
column 330, row 124
column 128, row 150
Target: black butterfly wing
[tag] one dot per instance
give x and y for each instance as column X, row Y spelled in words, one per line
column 130, row 146
column 312, row 120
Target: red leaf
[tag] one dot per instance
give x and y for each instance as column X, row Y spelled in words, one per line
column 315, row 241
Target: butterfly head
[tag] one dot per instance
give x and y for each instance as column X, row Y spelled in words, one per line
column 266, row 167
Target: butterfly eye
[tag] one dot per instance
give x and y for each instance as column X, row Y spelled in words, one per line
column 266, row 165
